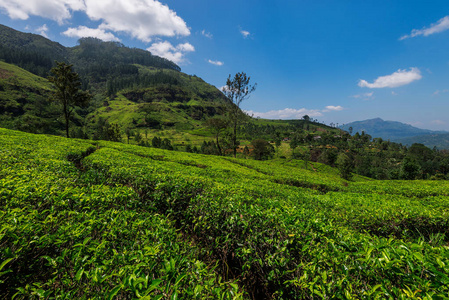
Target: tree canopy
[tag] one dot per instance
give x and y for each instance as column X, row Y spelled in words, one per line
column 237, row 90
column 67, row 85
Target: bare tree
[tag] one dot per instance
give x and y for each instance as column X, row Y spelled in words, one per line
column 237, row 90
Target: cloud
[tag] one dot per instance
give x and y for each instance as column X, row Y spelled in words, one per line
column 141, row 19
column 333, row 108
column 364, row 96
column 398, row 78
column 216, row 62
column 287, row 113
column 167, row 50
column 207, row 34
column 83, row 31
column 43, row 30
column 440, row 26
column 58, row 10
column 245, row 33
column 394, row 93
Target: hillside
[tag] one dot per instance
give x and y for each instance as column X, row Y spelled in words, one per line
column 387, row 130
column 178, row 101
column 33, row 52
column 100, row 219
column 440, row 140
column 131, row 87
column 24, row 101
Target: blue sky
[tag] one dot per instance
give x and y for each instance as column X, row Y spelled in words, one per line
column 337, row 61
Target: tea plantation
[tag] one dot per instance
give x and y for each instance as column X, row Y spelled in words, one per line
column 102, row 220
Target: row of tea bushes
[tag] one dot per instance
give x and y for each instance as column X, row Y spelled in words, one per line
column 280, row 240
column 65, row 237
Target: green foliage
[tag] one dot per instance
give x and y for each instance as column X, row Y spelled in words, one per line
column 67, row 90
column 344, row 165
column 237, row 90
column 67, row 233
column 83, row 220
column 262, row 149
column 410, row 169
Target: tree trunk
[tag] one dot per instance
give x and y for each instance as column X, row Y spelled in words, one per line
column 67, row 117
column 218, row 145
column 234, row 140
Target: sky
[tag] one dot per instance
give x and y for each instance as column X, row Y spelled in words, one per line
column 336, row 61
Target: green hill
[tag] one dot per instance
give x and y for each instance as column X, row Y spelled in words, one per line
column 439, row 140
column 86, row 219
column 131, row 87
column 24, row 101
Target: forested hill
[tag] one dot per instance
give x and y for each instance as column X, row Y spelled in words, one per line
column 37, row 54
column 131, row 87
column 30, row 51
column 388, row 130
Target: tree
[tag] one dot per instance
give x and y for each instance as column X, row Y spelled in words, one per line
column 129, row 133
column 237, row 90
column 344, row 164
column 68, row 92
column 262, row 149
column 217, row 125
column 410, row 169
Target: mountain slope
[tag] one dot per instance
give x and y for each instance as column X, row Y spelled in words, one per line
column 441, row 140
column 131, row 87
column 389, row 130
column 183, row 102
column 24, row 101
column 30, row 51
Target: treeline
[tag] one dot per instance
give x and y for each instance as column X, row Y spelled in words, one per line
column 127, row 76
column 32, row 61
column 93, row 59
column 374, row 158
column 97, row 61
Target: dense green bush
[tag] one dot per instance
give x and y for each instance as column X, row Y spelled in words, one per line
column 80, row 220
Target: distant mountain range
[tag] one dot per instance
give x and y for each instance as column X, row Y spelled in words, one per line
column 400, row 132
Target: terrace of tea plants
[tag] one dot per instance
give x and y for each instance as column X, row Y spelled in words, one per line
column 84, row 219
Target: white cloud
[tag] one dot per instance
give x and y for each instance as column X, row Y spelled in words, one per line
column 245, row 33
column 83, row 31
column 170, row 52
column 394, row 93
column 207, row 34
column 364, row 96
column 287, row 113
column 398, row 78
column 58, row 10
column 215, row 62
column 43, row 30
column 440, row 26
column 141, row 19
column 333, row 108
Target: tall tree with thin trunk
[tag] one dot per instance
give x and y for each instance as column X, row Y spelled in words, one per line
column 237, row 90
column 217, row 125
column 67, row 90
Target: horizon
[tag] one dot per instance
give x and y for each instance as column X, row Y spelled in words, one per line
column 336, row 63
